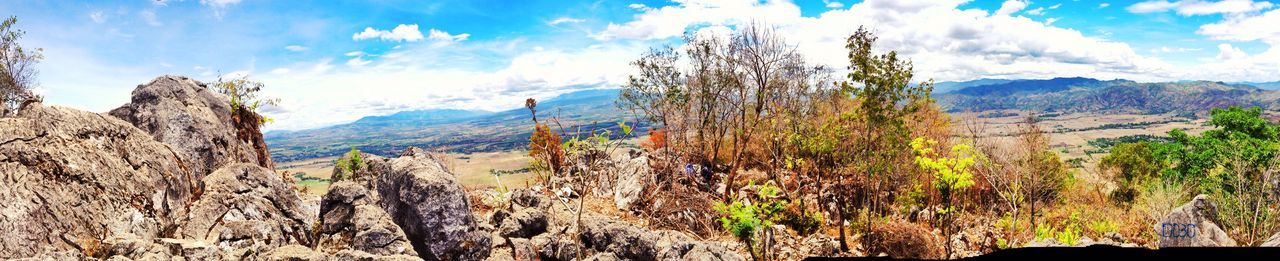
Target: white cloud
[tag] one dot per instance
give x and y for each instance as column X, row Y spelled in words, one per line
column 1103, row 5
column 1166, row 49
column 945, row 42
column 357, row 62
column 1050, row 20
column 833, row 4
column 98, row 17
column 670, row 21
column 1227, row 52
column 1264, row 27
column 1233, row 63
column 403, row 32
column 1197, row 7
column 1055, row 6
column 1037, row 11
column 562, row 20
column 296, row 48
column 445, row 37
column 422, row 77
column 1011, row 6
column 279, row 71
column 354, row 53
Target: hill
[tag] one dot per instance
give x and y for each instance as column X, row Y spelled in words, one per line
column 943, row 87
column 452, row 130
column 1065, row 95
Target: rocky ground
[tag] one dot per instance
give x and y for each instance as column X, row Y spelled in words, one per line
column 176, row 175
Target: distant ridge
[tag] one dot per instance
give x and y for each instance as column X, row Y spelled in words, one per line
column 448, row 129
column 1114, row 96
column 944, row 87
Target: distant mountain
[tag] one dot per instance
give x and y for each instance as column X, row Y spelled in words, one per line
column 1264, row 85
column 449, row 129
column 1114, row 96
column 421, row 117
column 944, row 87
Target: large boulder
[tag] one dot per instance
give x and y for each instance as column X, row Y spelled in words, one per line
column 1193, row 225
column 1273, row 241
column 73, row 178
column 244, row 205
column 198, row 123
column 635, row 176
column 626, row 241
column 428, row 203
column 351, row 219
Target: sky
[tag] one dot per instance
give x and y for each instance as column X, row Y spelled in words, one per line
column 332, row 62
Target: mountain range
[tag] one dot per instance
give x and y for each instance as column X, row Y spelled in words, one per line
column 1065, row 95
column 449, row 129
column 480, row 131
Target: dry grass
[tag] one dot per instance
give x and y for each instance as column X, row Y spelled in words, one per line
column 902, row 239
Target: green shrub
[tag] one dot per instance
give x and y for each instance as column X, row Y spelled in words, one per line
column 1103, row 226
column 349, row 166
column 744, row 219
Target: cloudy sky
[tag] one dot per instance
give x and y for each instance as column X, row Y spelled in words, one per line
column 347, row 59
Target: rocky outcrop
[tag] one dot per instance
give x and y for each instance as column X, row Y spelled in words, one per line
column 198, row 123
column 1193, row 225
column 245, row 205
column 427, row 201
column 626, row 241
column 71, row 179
column 635, row 176
column 295, row 253
column 351, row 219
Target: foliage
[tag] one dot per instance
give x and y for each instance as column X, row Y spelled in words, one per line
column 885, row 98
column 951, row 174
column 744, row 219
column 1069, row 234
column 546, row 150
column 1104, row 143
column 802, row 220
column 17, row 69
column 1132, row 165
column 243, row 93
column 349, row 166
column 1043, row 174
column 1159, row 197
column 1235, row 163
column 656, row 140
column 1103, row 226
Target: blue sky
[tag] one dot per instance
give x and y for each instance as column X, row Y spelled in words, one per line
column 336, row 61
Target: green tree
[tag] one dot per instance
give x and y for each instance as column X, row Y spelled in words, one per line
column 17, row 69
column 349, row 166
column 951, row 175
column 885, row 96
column 1132, row 165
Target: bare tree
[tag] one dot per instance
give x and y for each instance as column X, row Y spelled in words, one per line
column 17, row 70
column 996, row 170
column 1043, row 173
